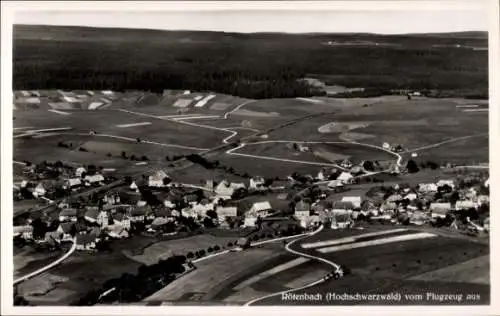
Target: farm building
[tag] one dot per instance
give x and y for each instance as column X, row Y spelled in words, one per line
column 394, row 198
column 68, row 214
column 389, row 207
column 321, row 176
column 442, row 183
column 223, row 212
column 440, row 209
column 102, row 218
column 85, row 242
column 72, row 183
column 410, row 196
column 302, row 209
column 122, row 219
column 345, row 177
column 334, row 184
column 66, row 229
column 138, row 214
column 39, row 190
column 256, row 183
column 118, row 231
column 53, row 237
column 94, row 179
column 355, row 200
column 157, row 179
column 26, row 231
column 427, row 187
column 341, row 220
column 225, row 189
column 464, row 205
column 260, row 209
column 92, row 214
column 250, row 221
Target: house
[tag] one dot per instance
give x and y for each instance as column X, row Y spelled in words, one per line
column 112, row 199
column 309, row 221
column 202, row 208
column 102, row 218
column 80, row 171
column 388, row 207
column 260, row 208
column 138, row 214
column 346, row 164
column 121, row 219
column 25, row 231
column 85, row 241
column 427, row 187
column 68, row 214
column 158, row 179
column 334, row 184
column 223, row 212
column 134, row 187
column 341, row 207
column 302, row 210
column 66, row 229
column 355, row 200
column 345, row 177
column 321, row 176
column 159, row 221
column 442, row 183
column 386, row 146
column 417, row 218
column 117, row 231
column 168, row 204
column 92, row 214
column 483, row 199
column 163, row 212
column 464, row 205
column 94, row 179
column 250, row 221
column 411, row 196
column 439, row 209
column 394, row 198
column 341, row 220
column 39, row 190
column 225, row 189
column 256, row 183
column 188, row 212
column 53, row 237
column 72, row 183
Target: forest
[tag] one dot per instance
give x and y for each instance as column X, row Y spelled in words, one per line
column 247, row 65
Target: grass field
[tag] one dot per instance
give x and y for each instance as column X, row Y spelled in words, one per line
column 27, row 260
column 79, row 275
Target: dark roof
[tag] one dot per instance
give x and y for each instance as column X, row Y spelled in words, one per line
column 68, row 212
column 138, row 211
column 342, row 205
column 66, row 227
column 92, row 213
column 85, row 239
column 118, row 216
column 163, row 212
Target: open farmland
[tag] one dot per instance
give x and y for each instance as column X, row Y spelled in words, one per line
column 164, row 249
column 76, row 276
column 386, row 267
column 212, row 275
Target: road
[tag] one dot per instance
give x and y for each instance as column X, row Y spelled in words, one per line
column 287, row 247
column 50, row 265
column 444, row 142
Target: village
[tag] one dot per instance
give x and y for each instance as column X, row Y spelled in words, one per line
column 156, row 205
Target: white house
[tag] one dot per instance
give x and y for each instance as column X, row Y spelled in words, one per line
column 427, row 187
column 156, row 180
column 386, row 146
column 341, row 220
column 321, row 176
column 39, row 190
column 250, row 221
column 202, row 208
column 118, row 231
column 483, row 199
column 94, row 179
column 103, row 219
column 450, row 183
column 85, row 242
column 223, row 212
column 345, row 177
column 112, row 199
column 464, row 205
column 72, row 183
column 134, row 187
column 26, row 231
column 335, row 184
column 260, row 208
column 256, row 183
column 355, row 200
column 439, row 209
column 79, row 171
column 122, row 219
column 411, row 196
column 225, row 189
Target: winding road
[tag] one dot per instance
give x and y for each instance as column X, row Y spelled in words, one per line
column 287, row 247
column 49, row 266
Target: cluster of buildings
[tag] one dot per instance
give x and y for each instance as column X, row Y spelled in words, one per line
column 423, row 204
column 63, row 100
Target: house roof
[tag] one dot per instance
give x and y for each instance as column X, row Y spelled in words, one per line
column 118, row 216
column 23, row 229
column 394, row 198
column 345, row 176
column 342, row 205
column 159, row 221
column 92, row 213
column 440, row 207
column 85, row 239
column 141, row 210
column 353, row 199
column 261, row 206
column 68, row 212
column 158, row 176
column 74, row 181
column 227, row 211
column 163, row 212
column 94, row 178
column 389, row 206
column 66, row 227
column 302, row 206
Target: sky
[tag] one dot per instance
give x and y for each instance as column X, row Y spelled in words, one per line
column 292, row 21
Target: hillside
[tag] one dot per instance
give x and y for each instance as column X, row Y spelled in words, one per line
column 258, row 65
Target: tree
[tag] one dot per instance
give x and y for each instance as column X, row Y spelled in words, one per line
column 124, row 155
column 368, row 165
column 211, row 214
column 216, row 248
column 208, row 222
column 190, row 255
column 138, row 139
column 412, row 166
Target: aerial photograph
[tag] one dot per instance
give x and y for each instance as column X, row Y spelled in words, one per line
column 250, row 158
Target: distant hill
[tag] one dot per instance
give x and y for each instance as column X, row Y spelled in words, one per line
column 255, row 65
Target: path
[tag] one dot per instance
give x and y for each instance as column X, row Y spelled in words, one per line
column 444, row 142
column 287, row 247
column 49, row 266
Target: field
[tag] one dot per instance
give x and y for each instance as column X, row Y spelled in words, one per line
column 213, row 275
column 75, row 276
column 27, row 260
column 387, row 268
